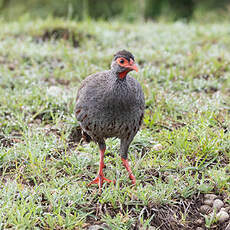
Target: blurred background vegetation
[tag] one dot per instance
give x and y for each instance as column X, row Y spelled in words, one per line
column 129, row 10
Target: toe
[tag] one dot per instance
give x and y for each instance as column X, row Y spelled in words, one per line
column 100, row 180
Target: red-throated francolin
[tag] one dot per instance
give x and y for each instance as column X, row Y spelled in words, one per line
column 111, row 104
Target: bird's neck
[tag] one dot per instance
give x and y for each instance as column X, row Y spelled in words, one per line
column 122, row 75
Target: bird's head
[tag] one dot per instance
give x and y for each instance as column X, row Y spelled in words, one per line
column 123, row 62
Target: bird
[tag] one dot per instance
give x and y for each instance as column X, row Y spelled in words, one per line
column 110, row 104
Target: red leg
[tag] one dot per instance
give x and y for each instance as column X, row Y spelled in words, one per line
column 131, row 176
column 100, row 179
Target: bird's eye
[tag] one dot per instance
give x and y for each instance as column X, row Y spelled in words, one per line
column 122, row 61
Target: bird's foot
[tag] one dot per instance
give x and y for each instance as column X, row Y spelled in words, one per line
column 131, row 176
column 100, row 179
column 133, row 179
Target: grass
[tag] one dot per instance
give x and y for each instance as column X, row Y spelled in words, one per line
column 185, row 74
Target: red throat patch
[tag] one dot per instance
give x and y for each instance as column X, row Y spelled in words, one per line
column 122, row 75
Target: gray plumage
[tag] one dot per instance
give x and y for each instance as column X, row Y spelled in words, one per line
column 108, row 106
